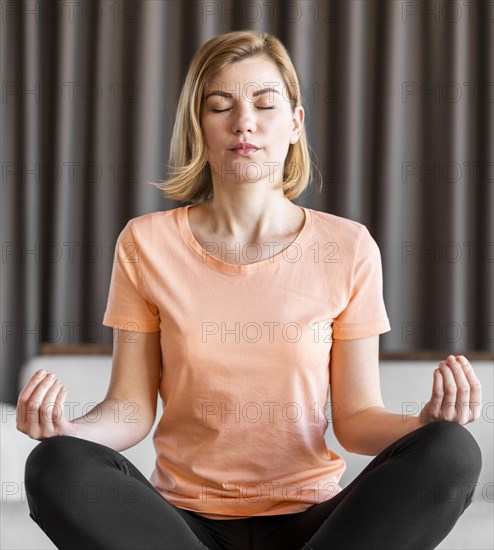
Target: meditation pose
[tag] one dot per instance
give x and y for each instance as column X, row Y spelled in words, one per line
column 242, row 311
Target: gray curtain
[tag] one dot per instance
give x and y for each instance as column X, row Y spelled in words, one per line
column 399, row 112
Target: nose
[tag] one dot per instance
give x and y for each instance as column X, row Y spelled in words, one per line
column 244, row 119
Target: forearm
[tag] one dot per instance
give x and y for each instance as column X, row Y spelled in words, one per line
column 371, row 430
column 116, row 423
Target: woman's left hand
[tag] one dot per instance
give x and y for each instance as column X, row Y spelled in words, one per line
column 456, row 393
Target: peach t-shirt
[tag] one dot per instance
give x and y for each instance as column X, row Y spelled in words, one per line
column 245, row 356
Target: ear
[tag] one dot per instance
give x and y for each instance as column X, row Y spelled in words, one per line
column 298, row 121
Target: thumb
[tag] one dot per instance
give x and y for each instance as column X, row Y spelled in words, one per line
column 432, row 409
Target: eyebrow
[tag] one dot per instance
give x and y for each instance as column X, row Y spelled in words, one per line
column 222, row 93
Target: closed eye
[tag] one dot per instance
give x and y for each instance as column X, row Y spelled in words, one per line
column 224, row 110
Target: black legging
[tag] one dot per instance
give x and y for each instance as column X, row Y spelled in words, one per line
column 85, row 495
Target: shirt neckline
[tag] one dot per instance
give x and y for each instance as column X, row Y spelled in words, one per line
column 288, row 253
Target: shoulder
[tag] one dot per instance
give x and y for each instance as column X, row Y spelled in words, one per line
column 151, row 219
column 343, row 230
column 147, row 226
column 146, row 236
column 350, row 238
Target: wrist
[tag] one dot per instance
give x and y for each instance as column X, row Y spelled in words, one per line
column 420, row 421
column 74, row 429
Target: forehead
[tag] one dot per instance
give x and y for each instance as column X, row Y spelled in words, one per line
column 246, row 76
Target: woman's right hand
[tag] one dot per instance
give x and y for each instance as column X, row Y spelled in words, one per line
column 40, row 408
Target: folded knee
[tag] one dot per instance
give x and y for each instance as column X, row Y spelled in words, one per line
column 453, row 446
column 50, row 458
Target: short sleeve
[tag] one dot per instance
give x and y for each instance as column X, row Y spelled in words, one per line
column 127, row 307
column 365, row 314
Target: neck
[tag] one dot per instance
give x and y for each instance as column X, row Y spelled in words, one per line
column 248, row 218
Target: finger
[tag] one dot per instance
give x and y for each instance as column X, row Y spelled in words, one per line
column 27, row 414
column 437, row 397
column 35, row 402
column 462, row 401
column 449, row 407
column 58, row 416
column 462, row 391
column 49, row 407
column 475, row 401
column 31, row 386
column 26, row 393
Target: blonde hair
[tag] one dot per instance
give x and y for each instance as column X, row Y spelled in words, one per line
column 190, row 177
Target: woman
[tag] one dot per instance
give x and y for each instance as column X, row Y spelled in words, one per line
column 239, row 310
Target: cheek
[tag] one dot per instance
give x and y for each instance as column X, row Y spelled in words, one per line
column 278, row 130
column 210, row 131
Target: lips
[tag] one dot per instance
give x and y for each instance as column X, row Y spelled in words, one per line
column 244, row 145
